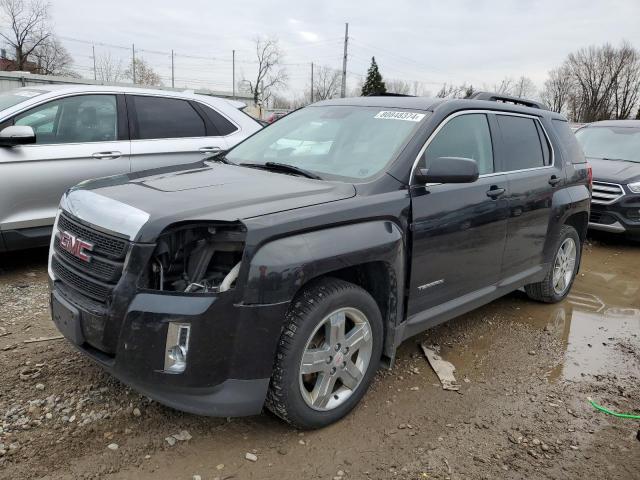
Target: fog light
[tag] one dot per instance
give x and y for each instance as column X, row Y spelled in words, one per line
column 175, row 357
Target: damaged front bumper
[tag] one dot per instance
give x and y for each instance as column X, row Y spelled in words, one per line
column 228, row 361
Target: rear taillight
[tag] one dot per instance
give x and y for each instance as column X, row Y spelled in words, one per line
column 590, row 177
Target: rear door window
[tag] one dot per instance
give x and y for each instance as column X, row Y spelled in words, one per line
column 522, row 143
column 159, row 117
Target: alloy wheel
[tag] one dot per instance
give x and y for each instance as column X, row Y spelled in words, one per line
column 564, row 266
column 335, row 359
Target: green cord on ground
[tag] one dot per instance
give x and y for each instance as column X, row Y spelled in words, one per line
column 609, row 412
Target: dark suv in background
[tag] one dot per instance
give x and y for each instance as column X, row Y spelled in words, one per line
column 613, row 149
column 283, row 273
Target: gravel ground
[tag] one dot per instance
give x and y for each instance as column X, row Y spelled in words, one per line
column 525, row 371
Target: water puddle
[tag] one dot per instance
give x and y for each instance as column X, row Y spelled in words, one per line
column 598, row 325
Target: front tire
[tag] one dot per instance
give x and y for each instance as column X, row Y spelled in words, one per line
column 328, row 353
column 564, row 268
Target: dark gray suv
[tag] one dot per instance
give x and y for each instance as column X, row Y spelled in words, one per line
column 283, row 273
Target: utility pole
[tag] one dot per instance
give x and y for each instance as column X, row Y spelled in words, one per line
column 133, row 62
column 311, row 82
column 173, row 83
column 343, row 88
column 95, row 75
column 233, row 74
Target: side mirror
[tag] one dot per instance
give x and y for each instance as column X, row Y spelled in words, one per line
column 448, row 170
column 17, row 135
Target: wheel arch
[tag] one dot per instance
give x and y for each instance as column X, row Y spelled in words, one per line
column 579, row 221
column 368, row 254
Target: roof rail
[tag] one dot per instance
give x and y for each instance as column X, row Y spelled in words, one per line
column 389, row 94
column 497, row 97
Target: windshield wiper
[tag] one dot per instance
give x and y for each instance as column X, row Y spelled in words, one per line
column 283, row 167
column 619, row 159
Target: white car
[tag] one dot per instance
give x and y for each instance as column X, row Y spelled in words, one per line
column 54, row 136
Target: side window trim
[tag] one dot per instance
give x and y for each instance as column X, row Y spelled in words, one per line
column 123, row 121
column 132, row 117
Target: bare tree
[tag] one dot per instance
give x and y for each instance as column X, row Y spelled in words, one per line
column 28, row 27
column 468, row 91
column 144, row 73
column 109, row 69
column 504, row 87
column 326, row 83
column 449, row 91
column 398, row 86
column 270, row 75
column 595, row 71
column 456, row 91
column 523, row 87
column 52, row 58
column 627, row 83
column 280, row 102
column 557, row 89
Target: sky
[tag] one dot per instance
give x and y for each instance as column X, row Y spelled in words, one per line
column 432, row 42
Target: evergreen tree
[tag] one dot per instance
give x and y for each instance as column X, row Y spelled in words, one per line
column 373, row 85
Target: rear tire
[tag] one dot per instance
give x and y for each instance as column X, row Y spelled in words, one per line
column 329, row 351
column 562, row 272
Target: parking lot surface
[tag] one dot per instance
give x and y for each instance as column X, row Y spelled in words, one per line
column 525, row 369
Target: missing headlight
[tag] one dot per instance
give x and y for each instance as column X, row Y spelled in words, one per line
column 197, row 259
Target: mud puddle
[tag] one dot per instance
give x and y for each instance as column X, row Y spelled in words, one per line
column 596, row 326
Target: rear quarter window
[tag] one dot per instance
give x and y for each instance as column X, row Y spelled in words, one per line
column 223, row 126
column 571, row 149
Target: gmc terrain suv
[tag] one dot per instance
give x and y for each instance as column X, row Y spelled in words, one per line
column 54, row 136
column 613, row 149
column 285, row 271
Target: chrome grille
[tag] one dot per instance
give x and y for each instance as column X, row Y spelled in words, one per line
column 106, row 244
column 81, row 283
column 94, row 279
column 606, row 193
column 100, row 268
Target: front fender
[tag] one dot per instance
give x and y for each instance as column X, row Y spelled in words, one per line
column 281, row 267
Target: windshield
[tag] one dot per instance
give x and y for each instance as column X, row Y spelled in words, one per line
column 334, row 142
column 615, row 143
column 14, row 97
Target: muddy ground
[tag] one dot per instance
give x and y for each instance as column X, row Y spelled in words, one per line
column 525, row 369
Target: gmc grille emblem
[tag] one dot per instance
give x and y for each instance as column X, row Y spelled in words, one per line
column 76, row 247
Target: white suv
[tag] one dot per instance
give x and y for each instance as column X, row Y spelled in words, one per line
column 54, row 136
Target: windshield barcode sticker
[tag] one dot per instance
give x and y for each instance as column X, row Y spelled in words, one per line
column 407, row 116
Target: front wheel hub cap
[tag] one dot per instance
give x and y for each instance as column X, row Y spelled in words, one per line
column 335, row 359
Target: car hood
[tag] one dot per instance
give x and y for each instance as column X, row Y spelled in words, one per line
column 614, row 171
column 141, row 205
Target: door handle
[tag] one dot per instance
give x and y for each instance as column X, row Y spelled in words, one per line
column 209, row 149
column 495, row 192
column 106, row 155
column 554, row 180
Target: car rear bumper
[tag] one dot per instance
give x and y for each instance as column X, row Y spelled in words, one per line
column 230, row 353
